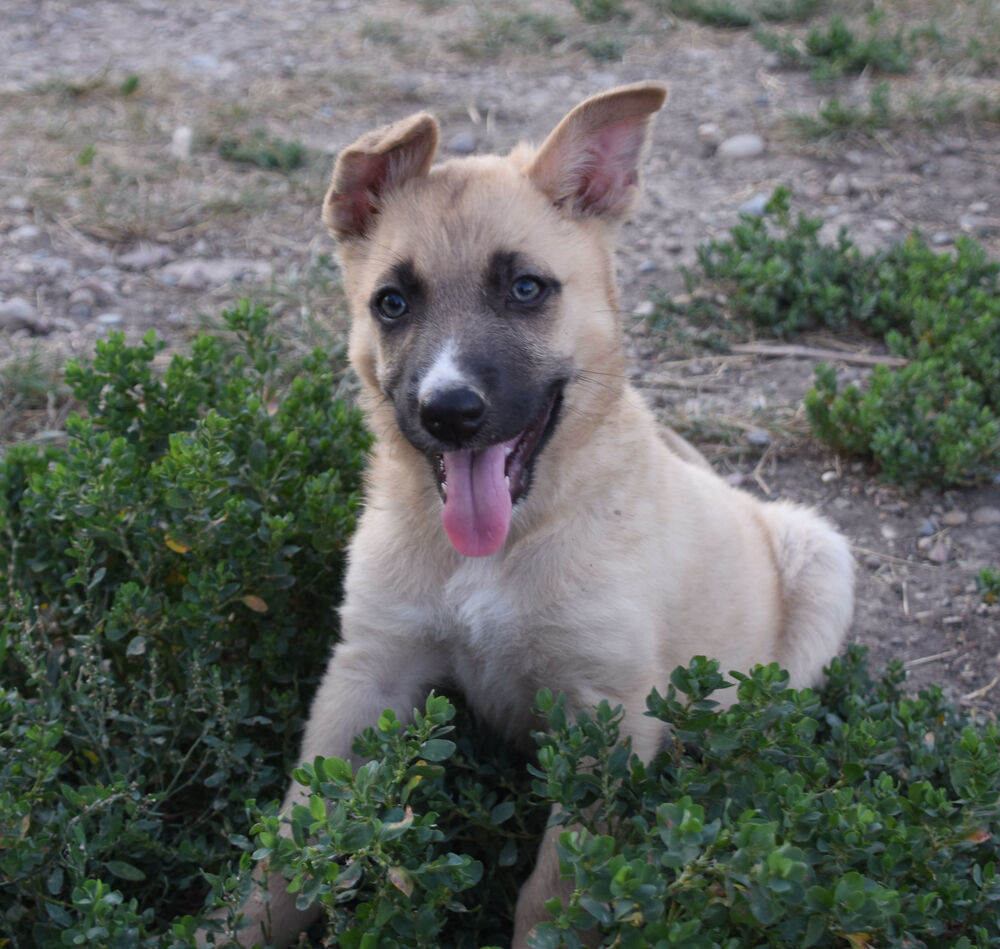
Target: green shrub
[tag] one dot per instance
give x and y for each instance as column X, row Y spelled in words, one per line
column 862, row 816
column 935, row 419
column 171, row 578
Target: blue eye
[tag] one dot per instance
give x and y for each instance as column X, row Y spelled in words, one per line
column 526, row 289
column 391, row 305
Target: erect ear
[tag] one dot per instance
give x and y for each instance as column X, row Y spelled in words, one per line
column 590, row 162
column 375, row 164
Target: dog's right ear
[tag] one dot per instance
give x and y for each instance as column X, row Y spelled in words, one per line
column 375, row 164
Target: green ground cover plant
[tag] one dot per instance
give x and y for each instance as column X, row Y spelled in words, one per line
column 857, row 817
column 170, row 577
column 935, row 419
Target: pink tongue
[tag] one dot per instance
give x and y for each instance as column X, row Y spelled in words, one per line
column 477, row 502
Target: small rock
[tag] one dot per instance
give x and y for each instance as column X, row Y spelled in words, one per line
column 758, row 438
column 464, row 143
column 975, row 224
column 747, row 145
column 754, row 207
column 25, row 233
column 181, row 143
column 855, row 158
column 939, row 553
column 979, row 207
column 884, row 225
column 109, row 319
column 18, row 203
column 710, row 136
column 644, row 309
column 928, row 527
column 18, row 314
column 81, row 303
column 889, row 532
column 986, row 515
column 198, row 273
column 145, row 256
column 673, row 245
column 648, row 266
column 872, row 562
column 827, row 476
column 942, row 238
column 839, row 185
column 954, row 518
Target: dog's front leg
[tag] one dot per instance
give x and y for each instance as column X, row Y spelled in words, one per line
column 365, row 676
column 545, row 881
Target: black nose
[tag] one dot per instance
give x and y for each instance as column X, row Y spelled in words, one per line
column 453, row 415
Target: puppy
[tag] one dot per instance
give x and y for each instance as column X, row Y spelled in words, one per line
column 527, row 524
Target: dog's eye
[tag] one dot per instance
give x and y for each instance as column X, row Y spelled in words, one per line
column 526, row 289
column 391, row 304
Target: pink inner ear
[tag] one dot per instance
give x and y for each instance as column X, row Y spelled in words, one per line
column 362, row 179
column 609, row 171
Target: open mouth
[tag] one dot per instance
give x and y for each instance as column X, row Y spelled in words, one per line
column 481, row 487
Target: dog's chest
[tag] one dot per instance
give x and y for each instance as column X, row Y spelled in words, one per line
column 479, row 607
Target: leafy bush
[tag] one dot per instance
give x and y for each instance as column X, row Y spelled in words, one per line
column 935, row 419
column 861, row 816
column 171, row 577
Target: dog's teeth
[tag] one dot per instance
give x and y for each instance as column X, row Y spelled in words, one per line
column 507, row 479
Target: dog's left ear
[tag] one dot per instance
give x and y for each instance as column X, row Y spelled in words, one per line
column 375, row 164
column 589, row 164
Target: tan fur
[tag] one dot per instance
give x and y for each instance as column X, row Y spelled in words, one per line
column 627, row 557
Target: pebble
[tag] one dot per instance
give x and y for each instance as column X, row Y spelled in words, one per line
column 758, row 438
column 710, row 136
column 986, row 515
column 979, row 207
column 855, row 158
column 942, row 238
column 198, row 273
column 754, row 206
column 464, row 143
column 648, row 266
column 645, row 308
column 81, row 303
column 827, row 476
column 954, row 518
column 145, row 256
column 25, row 233
column 19, row 314
column 181, row 143
column 18, row 203
column 939, row 553
column 109, row 319
column 747, row 145
column 975, row 224
column 839, row 185
column 928, row 527
column 884, row 225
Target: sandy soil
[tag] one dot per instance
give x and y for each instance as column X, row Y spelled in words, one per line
column 108, row 219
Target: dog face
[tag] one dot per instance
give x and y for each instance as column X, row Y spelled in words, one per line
column 483, row 298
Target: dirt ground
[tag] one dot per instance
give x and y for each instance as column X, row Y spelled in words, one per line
column 117, row 211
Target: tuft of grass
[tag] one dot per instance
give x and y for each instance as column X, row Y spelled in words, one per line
column 383, row 32
column 837, row 119
column 988, row 583
column 524, row 30
column 602, row 11
column 739, row 14
column 603, row 49
column 264, row 151
column 837, row 49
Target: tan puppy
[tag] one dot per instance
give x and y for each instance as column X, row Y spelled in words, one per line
column 527, row 524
